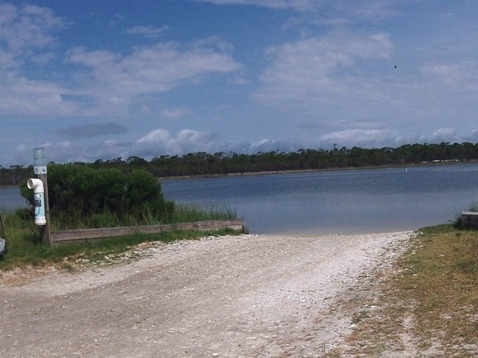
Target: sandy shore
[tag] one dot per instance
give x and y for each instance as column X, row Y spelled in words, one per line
column 232, row 296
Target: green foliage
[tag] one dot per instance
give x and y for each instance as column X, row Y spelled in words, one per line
column 80, row 196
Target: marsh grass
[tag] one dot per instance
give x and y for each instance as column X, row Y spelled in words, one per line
column 182, row 213
column 429, row 305
column 192, row 212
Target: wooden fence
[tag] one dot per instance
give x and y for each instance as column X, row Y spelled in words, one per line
column 72, row 236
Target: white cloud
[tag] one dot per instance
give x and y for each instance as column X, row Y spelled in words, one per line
column 116, row 79
column 298, row 5
column 306, row 70
column 175, row 113
column 444, row 135
column 25, row 33
column 27, row 38
column 463, row 74
column 472, row 137
column 22, row 97
column 368, row 10
column 147, row 30
column 361, row 137
column 162, row 142
column 154, row 144
column 103, row 82
column 343, row 11
column 326, row 77
column 159, row 139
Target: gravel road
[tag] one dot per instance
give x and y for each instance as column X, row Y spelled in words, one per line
column 230, row 296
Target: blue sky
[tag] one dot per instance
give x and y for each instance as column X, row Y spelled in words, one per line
column 93, row 79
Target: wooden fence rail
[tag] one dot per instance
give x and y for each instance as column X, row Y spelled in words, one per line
column 72, row 236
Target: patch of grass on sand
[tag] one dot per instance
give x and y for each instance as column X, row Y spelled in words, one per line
column 428, row 305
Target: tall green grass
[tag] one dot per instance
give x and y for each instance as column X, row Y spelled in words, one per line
column 192, row 212
column 182, row 213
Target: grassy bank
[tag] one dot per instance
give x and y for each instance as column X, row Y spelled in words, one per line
column 25, row 248
column 428, row 306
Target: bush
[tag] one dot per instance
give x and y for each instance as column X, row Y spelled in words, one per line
column 82, row 196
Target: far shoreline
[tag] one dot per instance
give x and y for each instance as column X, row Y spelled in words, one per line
column 299, row 171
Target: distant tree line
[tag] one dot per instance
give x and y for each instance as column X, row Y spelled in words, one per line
column 222, row 163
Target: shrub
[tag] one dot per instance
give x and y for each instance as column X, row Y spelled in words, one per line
column 82, row 196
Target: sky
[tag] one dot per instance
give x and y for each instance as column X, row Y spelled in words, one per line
column 89, row 80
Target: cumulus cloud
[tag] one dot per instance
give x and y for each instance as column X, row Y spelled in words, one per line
column 444, row 135
column 162, row 142
column 156, row 143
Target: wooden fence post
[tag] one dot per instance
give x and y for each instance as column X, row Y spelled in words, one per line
column 46, row 237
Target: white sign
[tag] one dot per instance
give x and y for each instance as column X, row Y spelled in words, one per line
column 40, row 170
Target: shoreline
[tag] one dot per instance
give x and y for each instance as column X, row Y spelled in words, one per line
column 299, row 171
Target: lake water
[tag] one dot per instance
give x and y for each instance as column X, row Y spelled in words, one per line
column 351, row 201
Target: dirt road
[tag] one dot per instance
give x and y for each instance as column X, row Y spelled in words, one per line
column 232, row 296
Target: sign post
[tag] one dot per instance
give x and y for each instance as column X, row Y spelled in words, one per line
column 40, row 169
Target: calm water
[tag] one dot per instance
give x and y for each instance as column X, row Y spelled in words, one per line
column 10, row 198
column 353, row 201
column 340, row 202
